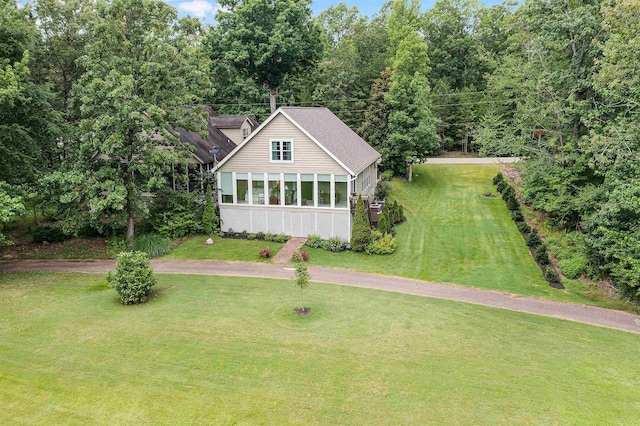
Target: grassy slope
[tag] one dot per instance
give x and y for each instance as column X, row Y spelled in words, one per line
column 454, row 234
column 211, row 350
column 223, row 249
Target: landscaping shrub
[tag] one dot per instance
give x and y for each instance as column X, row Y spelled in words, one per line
column 49, row 234
column 133, row 278
column 382, row 189
column 383, row 223
column 517, row 216
column 574, row 267
column 260, row 236
column 500, row 187
column 385, row 245
column 265, row 252
column 210, row 220
column 541, row 256
column 498, row 178
column 300, row 256
column 551, row 276
column 524, row 227
column 276, row 238
column 361, row 230
column 512, row 204
column 395, row 209
column 314, row 241
column 153, row 245
column 252, row 236
column 334, row 245
column 533, row 240
column 508, row 192
column 401, row 214
column 387, row 175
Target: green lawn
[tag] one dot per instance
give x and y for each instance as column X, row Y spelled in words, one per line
column 214, row 350
column 223, row 249
column 455, row 234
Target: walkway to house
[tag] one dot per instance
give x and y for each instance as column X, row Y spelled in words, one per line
column 286, row 252
column 580, row 313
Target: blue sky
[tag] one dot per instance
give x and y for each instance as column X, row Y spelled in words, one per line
column 206, row 9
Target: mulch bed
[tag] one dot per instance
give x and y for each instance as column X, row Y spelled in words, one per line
column 303, row 311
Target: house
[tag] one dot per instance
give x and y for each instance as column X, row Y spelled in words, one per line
column 222, row 138
column 296, row 174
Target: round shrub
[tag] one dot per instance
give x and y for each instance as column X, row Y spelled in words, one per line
column 517, row 216
column 551, row 276
column 382, row 189
column 541, row 256
column 385, row 245
column 533, row 240
column 498, row 178
column 500, row 186
column 334, row 245
column 314, row 241
column 512, row 204
column 133, row 278
column 573, row 267
column 508, row 192
column 524, row 227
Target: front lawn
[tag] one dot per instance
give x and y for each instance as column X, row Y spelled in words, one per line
column 223, row 249
column 455, row 234
column 216, row 350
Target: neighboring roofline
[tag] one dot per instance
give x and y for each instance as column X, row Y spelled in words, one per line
column 295, row 123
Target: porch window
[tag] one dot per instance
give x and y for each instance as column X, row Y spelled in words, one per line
column 274, row 188
column 324, row 190
column 366, row 178
column 291, row 189
column 226, row 187
column 257, row 188
column 242, row 188
column 306, row 190
column 281, row 150
column 341, row 188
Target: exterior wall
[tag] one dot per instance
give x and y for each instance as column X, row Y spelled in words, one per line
column 255, row 156
column 234, row 134
column 373, row 175
column 281, row 220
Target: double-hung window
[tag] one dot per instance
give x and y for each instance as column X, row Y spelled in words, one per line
column 281, row 150
column 366, row 178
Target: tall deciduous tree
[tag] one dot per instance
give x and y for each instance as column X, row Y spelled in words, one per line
column 143, row 67
column 267, row 40
column 412, row 134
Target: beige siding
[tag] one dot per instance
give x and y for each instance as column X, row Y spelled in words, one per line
column 234, row 134
column 307, row 156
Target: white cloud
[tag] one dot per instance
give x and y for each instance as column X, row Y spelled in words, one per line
column 197, row 8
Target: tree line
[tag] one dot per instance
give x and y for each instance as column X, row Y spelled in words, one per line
column 90, row 90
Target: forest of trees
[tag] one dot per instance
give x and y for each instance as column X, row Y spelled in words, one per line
column 88, row 90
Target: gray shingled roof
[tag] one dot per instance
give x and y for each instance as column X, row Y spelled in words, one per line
column 335, row 136
column 214, row 138
column 232, row 121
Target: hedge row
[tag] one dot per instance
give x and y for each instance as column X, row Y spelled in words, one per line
column 537, row 247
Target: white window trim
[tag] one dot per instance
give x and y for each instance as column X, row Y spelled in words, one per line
column 366, row 178
column 271, row 160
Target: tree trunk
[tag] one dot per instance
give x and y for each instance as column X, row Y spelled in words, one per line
column 130, row 229
column 410, row 172
column 272, row 98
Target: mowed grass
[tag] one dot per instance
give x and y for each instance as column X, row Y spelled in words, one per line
column 455, row 234
column 214, row 350
column 223, row 249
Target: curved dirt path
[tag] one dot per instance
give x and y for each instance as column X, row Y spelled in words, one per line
column 573, row 312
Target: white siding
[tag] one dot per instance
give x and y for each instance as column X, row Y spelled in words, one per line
column 293, row 222
column 255, row 156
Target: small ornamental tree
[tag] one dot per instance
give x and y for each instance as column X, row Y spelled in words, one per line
column 133, row 278
column 301, row 278
column 210, row 221
column 361, row 230
column 396, row 213
column 383, row 223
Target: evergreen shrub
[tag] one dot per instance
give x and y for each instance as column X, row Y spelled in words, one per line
column 385, row 245
column 533, row 239
column 524, row 227
column 552, row 276
column 48, row 234
column 541, row 256
column 361, row 229
column 498, row 178
column 517, row 216
column 500, row 186
column 133, row 278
